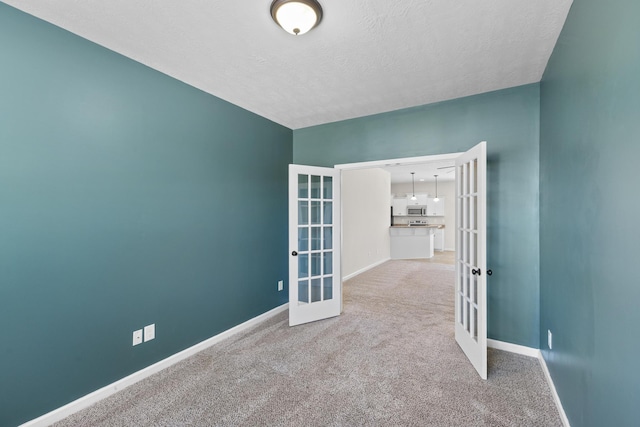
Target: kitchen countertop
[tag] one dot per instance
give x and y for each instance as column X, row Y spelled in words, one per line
column 418, row 226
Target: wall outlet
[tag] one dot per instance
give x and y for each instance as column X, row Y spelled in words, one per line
column 280, row 285
column 137, row 337
column 550, row 339
column 149, row 332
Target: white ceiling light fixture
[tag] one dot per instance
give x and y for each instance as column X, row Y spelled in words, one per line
column 413, row 185
column 296, row 16
column 435, row 199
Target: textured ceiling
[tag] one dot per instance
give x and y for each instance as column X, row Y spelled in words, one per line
column 365, row 57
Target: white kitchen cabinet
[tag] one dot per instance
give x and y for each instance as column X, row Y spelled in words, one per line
column 435, row 208
column 399, row 205
column 421, row 200
column 411, row 242
column 438, row 239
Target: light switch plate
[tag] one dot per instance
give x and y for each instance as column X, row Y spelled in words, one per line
column 137, row 337
column 280, row 285
column 149, row 332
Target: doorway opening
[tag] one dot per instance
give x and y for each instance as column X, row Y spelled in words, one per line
column 316, row 220
column 470, row 243
column 366, row 197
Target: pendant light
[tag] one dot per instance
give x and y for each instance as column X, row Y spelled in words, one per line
column 296, row 16
column 436, row 198
column 413, row 185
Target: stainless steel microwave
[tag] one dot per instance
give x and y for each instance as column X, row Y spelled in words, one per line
column 416, row 211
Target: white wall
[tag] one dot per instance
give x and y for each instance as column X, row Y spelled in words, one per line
column 365, row 218
column 447, row 190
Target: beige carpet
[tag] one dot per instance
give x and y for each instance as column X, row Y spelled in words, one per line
column 389, row 360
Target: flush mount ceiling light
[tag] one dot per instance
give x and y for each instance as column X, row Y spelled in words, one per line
column 296, row 16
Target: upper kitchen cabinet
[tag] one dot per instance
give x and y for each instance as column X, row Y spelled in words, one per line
column 399, row 205
column 421, row 200
column 435, row 208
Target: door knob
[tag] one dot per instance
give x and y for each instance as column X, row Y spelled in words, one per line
column 478, row 272
column 294, row 253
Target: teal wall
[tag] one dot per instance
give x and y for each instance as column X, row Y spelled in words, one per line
column 126, row 198
column 123, row 196
column 509, row 121
column 590, row 208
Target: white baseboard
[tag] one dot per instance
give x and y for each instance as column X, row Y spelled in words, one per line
column 104, row 392
column 362, row 270
column 513, row 348
column 554, row 393
column 533, row 352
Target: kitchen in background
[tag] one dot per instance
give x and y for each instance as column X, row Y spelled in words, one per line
column 367, row 197
column 414, row 203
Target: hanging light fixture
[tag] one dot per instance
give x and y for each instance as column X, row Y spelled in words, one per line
column 436, row 198
column 296, row 16
column 413, row 185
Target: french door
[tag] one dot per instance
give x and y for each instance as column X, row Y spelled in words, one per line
column 471, row 260
column 315, row 280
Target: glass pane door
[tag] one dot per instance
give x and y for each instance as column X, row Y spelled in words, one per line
column 315, row 238
column 314, row 201
column 471, row 297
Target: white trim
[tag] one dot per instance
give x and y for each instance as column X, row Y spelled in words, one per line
column 513, row 348
column 104, row 392
column 362, row 270
column 394, row 162
column 534, row 352
column 554, row 393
